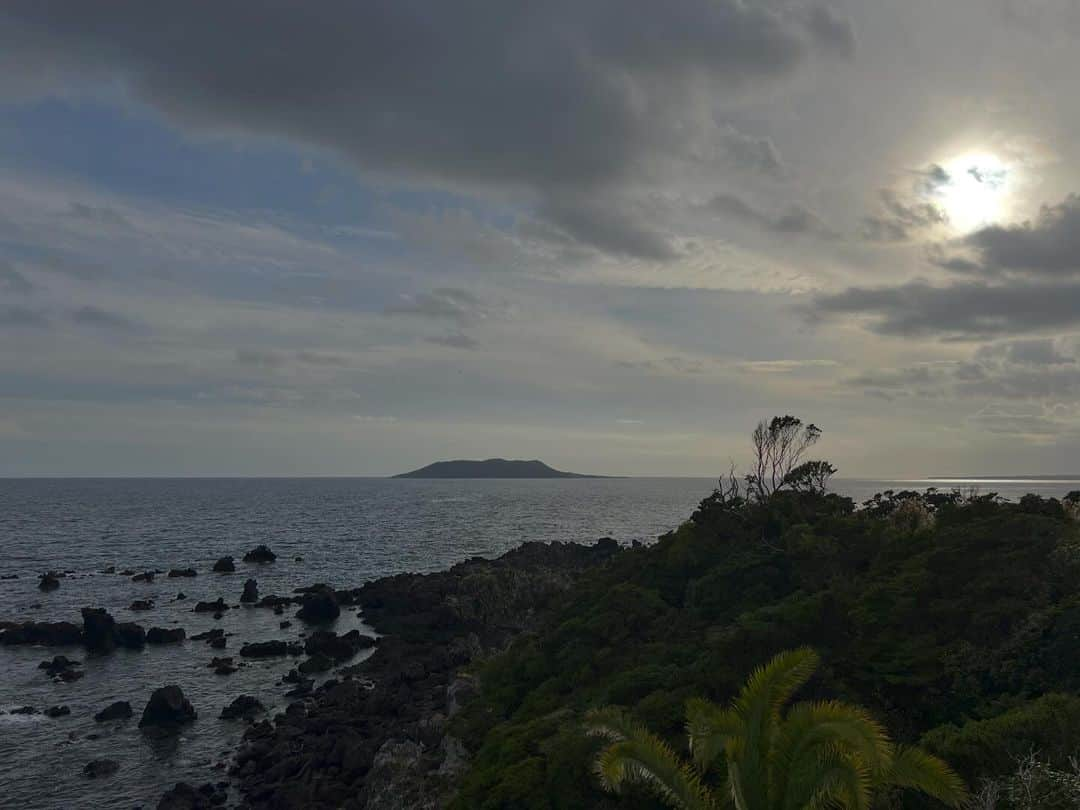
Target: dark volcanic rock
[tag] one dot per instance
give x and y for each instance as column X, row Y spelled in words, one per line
column 58, row 665
column 218, row 643
column 181, row 596
column 211, row 607
column 142, row 604
column 57, row 711
column 316, row 663
column 163, row 635
column 185, row 797
column 260, row 554
column 145, row 576
column 225, row 565
column 265, row 649
column 130, row 635
column 167, row 708
column 24, row 710
column 319, row 605
column 244, row 707
column 50, row 634
column 48, row 582
column 378, row 738
column 121, row 710
column 183, row 572
column 222, row 666
column 98, row 768
column 98, row 627
column 251, row 591
column 209, row 635
column 339, row 648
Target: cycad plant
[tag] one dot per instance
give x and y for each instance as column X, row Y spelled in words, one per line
column 755, row 756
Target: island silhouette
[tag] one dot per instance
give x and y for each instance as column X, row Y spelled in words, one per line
column 491, row 468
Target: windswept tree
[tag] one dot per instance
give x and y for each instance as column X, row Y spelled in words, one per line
column 779, row 448
column 754, row 756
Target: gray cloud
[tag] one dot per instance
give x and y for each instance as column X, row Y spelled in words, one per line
column 544, row 96
column 449, row 303
column 22, row 317
column 269, row 358
column 751, row 153
column 102, row 319
column 967, row 311
column 607, row 225
column 902, row 216
column 1049, row 246
column 796, row 219
column 11, row 280
column 454, row 340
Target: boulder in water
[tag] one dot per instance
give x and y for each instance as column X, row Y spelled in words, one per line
column 165, row 635
column 145, row 576
column 264, row 649
column 57, row 711
column 98, row 627
column 48, row 582
column 98, row 768
column 183, row 572
column 225, row 565
column 129, row 635
column 167, row 708
column 260, row 554
column 244, row 707
column 251, row 592
column 142, row 604
column 319, row 605
column 121, row 710
column 211, row 607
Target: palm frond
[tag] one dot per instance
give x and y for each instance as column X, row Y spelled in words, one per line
column 916, row 769
column 637, row 757
column 711, row 730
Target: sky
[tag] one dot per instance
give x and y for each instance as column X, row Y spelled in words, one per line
column 352, row 238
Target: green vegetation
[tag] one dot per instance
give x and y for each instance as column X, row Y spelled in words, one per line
column 954, row 620
column 820, row 754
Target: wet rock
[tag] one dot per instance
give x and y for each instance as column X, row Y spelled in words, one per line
column 163, row 635
column 245, row 707
column 276, row 602
column 121, row 710
column 396, row 778
column 260, row 554
column 167, row 708
column 129, row 635
column 319, row 605
column 98, row 630
column 57, row 711
column 339, row 648
column 70, row 675
column 24, row 710
column 109, row 569
column 225, row 565
column 9, row 576
column 145, row 576
column 142, row 604
column 211, row 607
column 223, row 666
column 302, row 688
column 316, row 663
column 284, row 625
column 58, row 665
column 100, row 768
column 127, row 572
column 209, row 635
column 251, row 592
column 185, row 797
column 48, row 582
column 264, row 649
column 218, row 643
column 183, row 572
column 181, row 596
column 50, row 634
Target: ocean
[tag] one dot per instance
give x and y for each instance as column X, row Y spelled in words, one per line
column 341, row 531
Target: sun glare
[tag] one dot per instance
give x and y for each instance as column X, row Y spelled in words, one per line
column 973, row 190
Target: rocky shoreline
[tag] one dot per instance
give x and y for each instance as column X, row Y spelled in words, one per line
column 376, row 736
column 374, row 733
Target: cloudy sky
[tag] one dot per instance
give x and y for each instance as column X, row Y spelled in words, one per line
column 356, row 237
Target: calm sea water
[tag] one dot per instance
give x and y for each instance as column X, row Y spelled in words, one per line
column 347, row 531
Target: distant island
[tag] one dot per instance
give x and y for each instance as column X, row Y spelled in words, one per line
column 490, row 468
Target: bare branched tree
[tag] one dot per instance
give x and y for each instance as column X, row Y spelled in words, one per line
column 779, row 447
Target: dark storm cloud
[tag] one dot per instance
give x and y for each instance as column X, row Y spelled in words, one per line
column 1049, row 246
column 796, row 219
column 970, row 310
column 543, row 96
